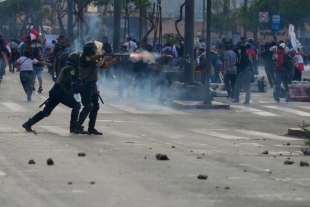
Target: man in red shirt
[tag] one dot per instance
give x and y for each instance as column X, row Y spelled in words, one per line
column 281, row 74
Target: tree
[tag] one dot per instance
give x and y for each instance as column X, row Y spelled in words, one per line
column 128, row 7
column 29, row 13
column 223, row 19
column 287, row 8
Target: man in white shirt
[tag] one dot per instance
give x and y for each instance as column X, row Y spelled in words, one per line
column 131, row 46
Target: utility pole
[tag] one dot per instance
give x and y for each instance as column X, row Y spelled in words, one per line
column 208, row 59
column 189, row 41
column 117, row 26
column 70, row 20
column 203, row 19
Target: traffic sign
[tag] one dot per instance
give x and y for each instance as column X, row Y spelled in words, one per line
column 263, row 17
column 276, row 22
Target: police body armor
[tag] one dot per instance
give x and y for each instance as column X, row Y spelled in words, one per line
column 60, row 81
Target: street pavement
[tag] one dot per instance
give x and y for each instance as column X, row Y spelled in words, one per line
column 120, row 167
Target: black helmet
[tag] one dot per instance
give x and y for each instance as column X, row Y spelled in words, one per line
column 73, row 58
column 89, row 48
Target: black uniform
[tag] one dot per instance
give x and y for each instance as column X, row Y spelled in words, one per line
column 61, row 92
column 88, row 76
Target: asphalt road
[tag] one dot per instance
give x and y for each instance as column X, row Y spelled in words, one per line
column 120, row 168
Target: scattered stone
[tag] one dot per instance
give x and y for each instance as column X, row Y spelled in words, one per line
column 288, row 158
column 69, row 183
column 264, row 139
column 217, row 187
column 275, row 156
column 280, row 154
column 288, row 162
column 92, row 183
column 203, row 154
column 32, row 162
column 227, row 188
column 162, row 157
column 150, row 148
column 173, row 146
column 306, row 152
column 244, row 170
column 304, row 164
column 202, row 177
column 145, row 157
column 288, row 144
column 199, row 158
column 265, row 152
column 81, row 154
column 50, row 161
column 270, row 172
column 191, row 150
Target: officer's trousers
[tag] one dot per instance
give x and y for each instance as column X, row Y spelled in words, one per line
column 57, row 96
column 90, row 101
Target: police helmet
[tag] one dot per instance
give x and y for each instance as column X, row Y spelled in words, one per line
column 89, row 48
column 73, row 58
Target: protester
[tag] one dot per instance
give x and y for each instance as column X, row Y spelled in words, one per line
column 216, row 63
column 300, row 66
column 267, row 59
column 146, row 46
column 281, row 74
column 230, row 70
column 254, row 58
column 2, row 64
column 131, row 46
column 4, row 51
column 24, row 65
column 180, row 52
column 106, row 46
column 37, row 69
column 14, row 55
column 201, row 62
column 244, row 77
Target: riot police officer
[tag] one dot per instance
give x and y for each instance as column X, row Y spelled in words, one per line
column 89, row 65
column 62, row 92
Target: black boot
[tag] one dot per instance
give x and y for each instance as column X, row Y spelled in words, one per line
column 74, row 116
column 80, row 130
column 94, row 132
column 35, row 119
column 92, row 122
column 27, row 126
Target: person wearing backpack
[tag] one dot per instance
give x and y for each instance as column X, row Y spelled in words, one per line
column 283, row 68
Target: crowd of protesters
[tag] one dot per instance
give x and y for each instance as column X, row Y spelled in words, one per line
column 26, row 56
column 236, row 64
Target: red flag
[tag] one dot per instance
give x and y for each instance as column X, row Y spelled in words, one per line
column 34, row 34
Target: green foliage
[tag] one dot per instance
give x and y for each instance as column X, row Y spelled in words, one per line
column 296, row 12
column 223, row 20
column 306, row 129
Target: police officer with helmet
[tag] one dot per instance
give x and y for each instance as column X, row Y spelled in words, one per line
column 89, row 65
column 62, row 92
